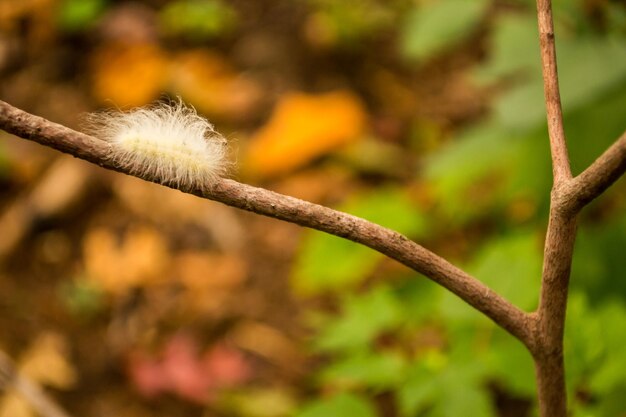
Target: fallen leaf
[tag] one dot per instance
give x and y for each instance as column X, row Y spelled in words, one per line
column 211, row 282
column 13, row 404
column 141, row 258
column 205, row 271
column 269, row 343
column 178, row 370
column 226, row 366
column 181, row 369
column 128, row 74
column 46, row 362
column 146, row 375
column 303, row 127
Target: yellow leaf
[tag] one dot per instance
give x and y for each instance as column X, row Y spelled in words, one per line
column 13, row 404
column 268, row 342
column 212, row 281
column 141, row 258
column 205, row 271
column 45, row 362
column 303, row 127
column 129, row 75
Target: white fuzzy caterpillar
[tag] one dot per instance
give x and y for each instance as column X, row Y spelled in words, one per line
column 167, row 142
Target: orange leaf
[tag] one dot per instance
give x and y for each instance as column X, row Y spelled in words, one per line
column 304, row 127
column 129, row 75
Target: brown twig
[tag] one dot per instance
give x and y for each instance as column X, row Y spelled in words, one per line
column 599, row 176
column 559, row 244
column 271, row 204
column 567, row 198
column 29, row 390
column 548, row 352
column 558, row 147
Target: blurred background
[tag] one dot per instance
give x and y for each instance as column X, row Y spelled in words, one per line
column 130, row 299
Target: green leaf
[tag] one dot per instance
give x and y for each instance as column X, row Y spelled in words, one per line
column 81, row 297
column 601, row 119
column 420, row 298
column 589, row 66
column 363, row 318
column 514, row 50
column 419, row 391
column 511, row 266
column 328, row 262
column 465, row 399
column 455, row 389
column 493, row 166
column 350, row 21
column 341, row 405
column 594, row 354
column 75, row 15
column 511, row 365
column 608, row 377
column 200, row 19
column 436, row 25
column 599, row 258
column 378, row 370
column 473, row 169
column 257, row 402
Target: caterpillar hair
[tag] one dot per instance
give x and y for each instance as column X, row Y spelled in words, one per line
column 168, row 142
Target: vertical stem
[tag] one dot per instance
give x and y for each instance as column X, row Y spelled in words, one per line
column 558, row 147
column 551, row 386
column 547, row 348
column 548, row 352
column 558, row 252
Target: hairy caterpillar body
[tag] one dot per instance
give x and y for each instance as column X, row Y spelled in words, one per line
column 169, row 143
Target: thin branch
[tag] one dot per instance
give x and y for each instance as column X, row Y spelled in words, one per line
column 599, row 176
column 271, row 204
column 560, row 160
column 29, row 390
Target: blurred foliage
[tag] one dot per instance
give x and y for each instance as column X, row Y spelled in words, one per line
column 496, row 170
column 424, row 116
column 389, row 207
column 4, row 162
column 440, row 24
column 339, row 405
column 76, row 15
column 198, row 19
column 346, row 23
